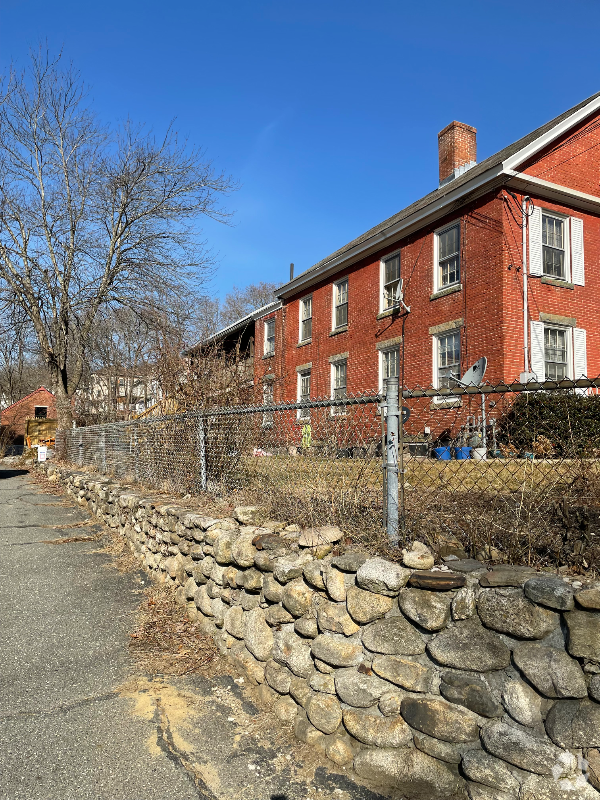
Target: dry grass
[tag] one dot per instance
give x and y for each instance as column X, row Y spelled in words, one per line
column 165, row 641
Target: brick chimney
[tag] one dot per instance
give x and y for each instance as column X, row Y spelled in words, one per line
column 457, row 145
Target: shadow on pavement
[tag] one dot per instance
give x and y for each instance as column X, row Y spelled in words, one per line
column 12, row 473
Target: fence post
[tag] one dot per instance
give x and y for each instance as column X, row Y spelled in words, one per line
column 393, row 415
column 202, row 454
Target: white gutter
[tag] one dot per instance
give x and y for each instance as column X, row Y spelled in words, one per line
column 525, row 304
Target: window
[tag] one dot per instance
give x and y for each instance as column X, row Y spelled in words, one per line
column 556, row 356
column 304, row 393
column 267, row 420
column 553, row 247
column 448, row 258
column 340, row 304
column 270, row 337
column 306, row 319
column 448, row 359
column 391, row 281
column 390, row 361
column 338, row 380
column 40, row 412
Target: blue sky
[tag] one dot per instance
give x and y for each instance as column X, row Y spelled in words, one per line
column 327, row 113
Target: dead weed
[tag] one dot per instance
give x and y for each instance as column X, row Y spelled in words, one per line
column 165, row 641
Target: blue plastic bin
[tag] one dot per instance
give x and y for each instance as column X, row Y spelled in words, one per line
column 463, row 453
column 443, row 453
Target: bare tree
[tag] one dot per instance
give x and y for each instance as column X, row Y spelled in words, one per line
column 91, row 218
column 240, row 302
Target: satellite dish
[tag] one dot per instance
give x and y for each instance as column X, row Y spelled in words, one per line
column 474, row 376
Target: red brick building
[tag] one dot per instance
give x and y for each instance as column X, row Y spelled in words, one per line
column 502, row 260
column 40, row 404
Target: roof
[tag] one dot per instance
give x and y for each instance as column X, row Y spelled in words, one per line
column 464, row 182
column 235, row 326
column 35, row 391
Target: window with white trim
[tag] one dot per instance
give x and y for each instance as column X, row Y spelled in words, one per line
column 390, row 281
column 447, row 257
column 270, row 337
column 556, row 353
column 340, row 304
column 306, row 319
column 267, row 420
column 389, row 364
column 447, row 359
column 339, row 372
column 554, row 255
column 304, row 393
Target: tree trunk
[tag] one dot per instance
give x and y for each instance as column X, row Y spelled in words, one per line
column 64, row 405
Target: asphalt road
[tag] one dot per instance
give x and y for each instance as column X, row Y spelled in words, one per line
column 78, row 722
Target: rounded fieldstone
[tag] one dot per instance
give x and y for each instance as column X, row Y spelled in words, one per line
column 324, row 712
column 584, row 634
column 376, row 730
column 445, row 751
column 507, row 610
column 574, row 723
column 288, row 568
column 203, row 601
column 463, row 604
column 413, row 773
column 482, row 767
column 594, row 687
column 243, row 551
column 313, row 573
column 251, row 580
column 469, row 646
column 507, row 575
column 264, row 561
column 297, row 597
column 336, row 650
column 470, row 692
column 249, row 601
column 278, row 677
column 550, row 670
column 418, row 557
column 306, row 732
column 292, row 651
column 306, row 626
column 390, row 702
column 334, row 617
column 222, row 547
column 574, row 788
column 408, row 674
column 440, row 719
column 519, row 748
column 321, row 682
column 359, row 689
column 589, row 598
column 393, row 636
column 430, row 610
column 550, row 591
column 365, row 607
column 382, row 577
column 300, row 690
column 257, row 635
column 234, row 621
column 522, row 703
column 349, row 562
column 277, row 615
column 335, row 584
column 272, row 590
column 285, row 709
column 339, row 751
column 437, row 581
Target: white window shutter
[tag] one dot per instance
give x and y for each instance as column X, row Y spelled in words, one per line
column 577, row 260
column 536, row 350
column 535, row 242
column 579, row 354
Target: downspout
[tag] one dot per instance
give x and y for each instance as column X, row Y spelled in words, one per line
column 525, row 298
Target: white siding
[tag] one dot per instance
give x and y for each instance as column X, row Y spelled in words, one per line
column 537, row 350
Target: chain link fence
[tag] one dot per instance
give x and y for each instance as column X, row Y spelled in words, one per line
column 504, row 472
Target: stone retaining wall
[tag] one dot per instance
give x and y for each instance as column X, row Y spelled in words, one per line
column 436, row 685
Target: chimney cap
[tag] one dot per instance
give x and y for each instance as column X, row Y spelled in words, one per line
column 456, row 124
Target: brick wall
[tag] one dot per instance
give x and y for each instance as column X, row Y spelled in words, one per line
column 15, row 416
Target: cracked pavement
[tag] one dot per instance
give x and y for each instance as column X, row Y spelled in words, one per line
column 76, row 719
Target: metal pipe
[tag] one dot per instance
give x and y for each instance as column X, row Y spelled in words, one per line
column 392, row 392
column 525, row 298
